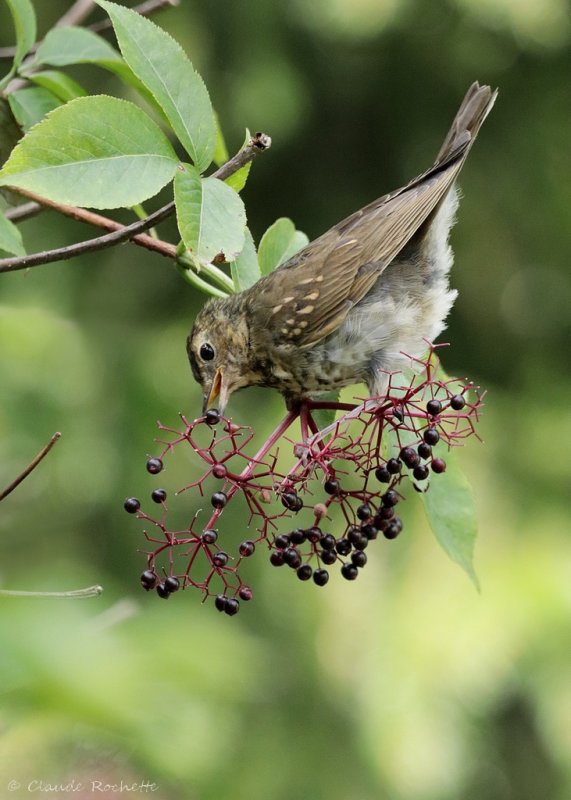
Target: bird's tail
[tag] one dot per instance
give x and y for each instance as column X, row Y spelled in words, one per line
column 475, row 107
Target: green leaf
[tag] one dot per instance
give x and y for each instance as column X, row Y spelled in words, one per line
column 162, row 65
column 220, row 155
column 211, row 216
column 451, row 513
column 325, row 416
column 31, row 105
column 10, row 238
column 245, row 269
column 59, row 84
column 96, row 151
column 25, row 24
column 238, row 179
column 70, row 45
column 279, row 243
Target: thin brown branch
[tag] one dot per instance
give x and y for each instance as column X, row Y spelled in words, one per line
column 25, row 211
column 121, row 233
column 75, row 15
column 31, row 466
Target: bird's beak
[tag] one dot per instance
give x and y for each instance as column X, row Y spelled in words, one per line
column 218, row 391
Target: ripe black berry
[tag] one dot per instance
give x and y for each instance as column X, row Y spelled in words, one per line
column 212, row 416
column 393, row 529
column 397, row 413
column 162, row 591
column 457, row 402
column 386, row 512
column 343, row 547
column 328, row 542
column 219, row 471
column 434, row 407
column 359, row 558
column 394, row 466
column 390, row 498
column 131, row 505
column 358, row 539
column 148, row 579
column 420, row 472
column 313, row 534
column 209, row 536
column 247, row 548
column 219, row 499
column 220, row 559
column 304, row 573
column 291, row 501
column 320, row 577
column 409, row 456
column 277, row 558
column 297, row 536
column 331, row 486
column 292, row 557
column 154, row 465
column 424, row 450
column 438, row 465
column 431, row 436
column 172, row 583
column 220, row 602
column 232, row 606
column 364, row 511
column 370, row 531
column 349, row 571
column 383, row 475
column 245, row 593
column 159, row 496
column 282, row 541
column 328, row 557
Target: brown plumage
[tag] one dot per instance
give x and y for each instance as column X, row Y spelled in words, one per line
column 349, row 305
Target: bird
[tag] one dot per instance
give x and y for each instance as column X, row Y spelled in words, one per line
column 354, row 305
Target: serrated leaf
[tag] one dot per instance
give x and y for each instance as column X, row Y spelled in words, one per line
column 70, row 45
column 451, row 513
column 246, row 269
column 164, row 68
column 10, row 238
column 211, row 216
column 279, row 243
column 59, row 84
column 25, row 24
column 238, row 179
column 98, row 151
column 29, row 106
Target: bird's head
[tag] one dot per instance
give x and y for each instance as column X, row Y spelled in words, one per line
column 218, row 351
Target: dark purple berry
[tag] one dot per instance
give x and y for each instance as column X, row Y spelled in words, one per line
column 290, row 500
column 154, row 465
column 158, row 496
column 424, row 450
column 304, row 573
column 359, row 558
column 320, row 577
column 390, row 498
column 343, row 547
column 131, row 505
column 394, row 466
column 431, row 436
column 298, row 505
column 297, row 536
column 349, row 571
column 383, row 475
column 328, row 557
column 219, row 500
column 370, row 531
column 148, row 579
column 409, row 456
column 386, row 512
column 328, row 542
column 247, row 548
column 313, row 534
column 219, row 471
column 420, row 472
column 398, row 414
column 357, row 538
column 212, row 416
column 220, row 602
column 331, row 486
column 277, row 558
column 162, row 591
column 438, row 465
column 364, row 511
column 434, row 407
column 245, row 593
column 209, row 536
column 172, row 583
column 220, row 559
column 393, row 529
column 282, row 541
column 232, row 606
column 457, row 402
column 292, row 557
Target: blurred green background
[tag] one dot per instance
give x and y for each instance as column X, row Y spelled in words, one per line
column 407, row 685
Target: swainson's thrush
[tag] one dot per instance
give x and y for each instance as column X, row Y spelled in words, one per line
column 352, row 305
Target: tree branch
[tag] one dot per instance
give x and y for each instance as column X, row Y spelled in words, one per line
column 121, row 233
column 31, row 466
column 25, row 211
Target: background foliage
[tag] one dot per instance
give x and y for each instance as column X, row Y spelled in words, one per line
column 407, row 684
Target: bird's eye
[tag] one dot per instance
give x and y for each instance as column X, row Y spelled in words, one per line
column 206, row 352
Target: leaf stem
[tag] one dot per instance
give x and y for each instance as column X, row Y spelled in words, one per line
column 31, row 466
column 74, row 594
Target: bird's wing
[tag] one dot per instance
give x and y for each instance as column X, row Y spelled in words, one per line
column 309, row 296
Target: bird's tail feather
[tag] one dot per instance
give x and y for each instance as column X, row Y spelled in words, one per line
column 475, row 107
